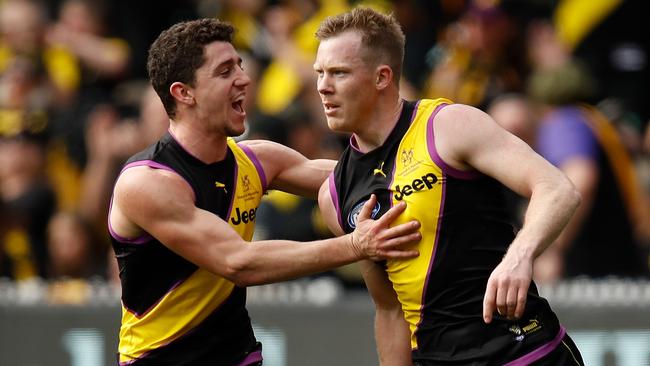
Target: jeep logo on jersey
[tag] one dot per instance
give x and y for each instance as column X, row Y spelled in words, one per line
column 426, row 181
column 245, row 217
column 352, row 217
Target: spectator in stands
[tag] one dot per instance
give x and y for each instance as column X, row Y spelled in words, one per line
column 605, row 37
column 602, row 238
column 22, row 26
column 478, row 58
column 73, row 248
column 110, row 141
column 26, row 198
column 81, row 30
column 74, row 259
column 27, row 203
column 99, row 62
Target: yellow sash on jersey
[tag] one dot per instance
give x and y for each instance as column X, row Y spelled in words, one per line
column 420, row 182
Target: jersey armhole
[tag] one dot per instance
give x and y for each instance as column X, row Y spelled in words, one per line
column 334, row 196
column 433, row 152
column 146, row 236
column 258, row 165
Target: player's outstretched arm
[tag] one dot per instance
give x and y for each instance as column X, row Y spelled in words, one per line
column 162, row 204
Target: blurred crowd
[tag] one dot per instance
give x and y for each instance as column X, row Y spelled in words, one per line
column 569, row 77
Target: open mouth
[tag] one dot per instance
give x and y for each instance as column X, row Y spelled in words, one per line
column 238, row 106
column 330, row 108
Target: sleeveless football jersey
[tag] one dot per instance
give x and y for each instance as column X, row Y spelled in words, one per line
column 173, row 312
column 466, row 230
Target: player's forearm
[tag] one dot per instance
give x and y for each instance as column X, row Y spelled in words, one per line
column 584, row 176
column 278, row 260
column 551, row 206
column 392, row 335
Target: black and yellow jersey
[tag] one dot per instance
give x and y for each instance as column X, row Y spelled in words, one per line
column 173, row 312
column 466, row 230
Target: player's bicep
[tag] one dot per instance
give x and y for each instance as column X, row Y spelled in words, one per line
column 472, row 138
column 153, row 199
column 164, row 208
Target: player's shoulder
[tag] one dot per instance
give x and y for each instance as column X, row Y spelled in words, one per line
column 256, row 143
column 462, row 118
column 458, row 110
column 145, row 180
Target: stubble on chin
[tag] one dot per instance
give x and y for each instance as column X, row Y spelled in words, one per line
column 332, row 122
column 234, row 131
column 336, row 125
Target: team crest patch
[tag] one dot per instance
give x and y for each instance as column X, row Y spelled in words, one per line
column 352, row 217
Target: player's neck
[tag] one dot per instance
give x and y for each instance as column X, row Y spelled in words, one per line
column 379, row 125
column 209, row 147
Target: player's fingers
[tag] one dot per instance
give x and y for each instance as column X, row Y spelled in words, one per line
column 489, row 301
column 392, row 214
column 401, row 241
column 399, row 254
column 511, row 302
column 501, row 298
column 401, row 229
column 391, row 248
column 522, row 296
column 367, row 208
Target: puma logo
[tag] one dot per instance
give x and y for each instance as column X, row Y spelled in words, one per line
column 380, row 170
column 220, row 185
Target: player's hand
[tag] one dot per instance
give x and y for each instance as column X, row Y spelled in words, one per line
column 507, row 288
column 376, row 240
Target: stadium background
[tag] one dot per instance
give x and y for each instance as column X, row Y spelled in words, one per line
column 74, row 103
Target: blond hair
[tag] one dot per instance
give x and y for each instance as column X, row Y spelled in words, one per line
column 381, row 35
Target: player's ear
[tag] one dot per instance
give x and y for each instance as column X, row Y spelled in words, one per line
column 182, row 93
column 384, row 76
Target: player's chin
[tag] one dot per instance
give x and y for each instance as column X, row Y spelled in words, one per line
column 335, row 124
column 236, row 128
column 234, row 132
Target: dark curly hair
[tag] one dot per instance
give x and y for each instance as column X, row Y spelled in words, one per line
column 178, row 52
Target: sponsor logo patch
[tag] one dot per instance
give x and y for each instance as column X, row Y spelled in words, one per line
column 424, row 182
